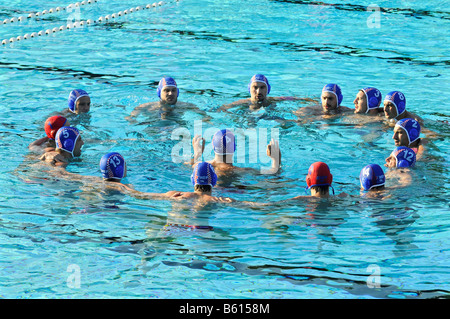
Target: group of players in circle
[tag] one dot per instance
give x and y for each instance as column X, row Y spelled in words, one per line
column 63, row 142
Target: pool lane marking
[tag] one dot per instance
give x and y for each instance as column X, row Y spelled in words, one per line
column 78, row 24
column 46, row 12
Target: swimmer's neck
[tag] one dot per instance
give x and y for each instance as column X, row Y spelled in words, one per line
column 374, row 112
column 415, row 144
column 112, row 180
column 316, row 193
column 256, row 105
column 224, row 159
column 165, row 104
column 402, row 116
column 64, row 153
column 336, row 110
column 203, row 193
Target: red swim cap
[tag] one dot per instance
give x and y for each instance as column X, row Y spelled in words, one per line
column 319, row 175
column 53, row 124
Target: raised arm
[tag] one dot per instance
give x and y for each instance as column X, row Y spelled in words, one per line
column 402, row 177
column 138, row 110
column 292, row 98
column 198, row 143
column 144, row 195
column 273, row 151
column 196, row 109
column 54, row 159
column 226, row 107
column 36, row 146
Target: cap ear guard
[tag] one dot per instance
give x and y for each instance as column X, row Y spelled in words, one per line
column 51, row 132
column 373, row 102
column 332, row 189
column 68, row 145
column 118, row 171
column 402, row 163
column 365, row 184
column 340, row 98
column 401, row 104
column 401, row 107
column 193, row 178
column 413, row 135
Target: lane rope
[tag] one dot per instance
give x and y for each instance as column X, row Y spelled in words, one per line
column 46, row 12
column 78, row 24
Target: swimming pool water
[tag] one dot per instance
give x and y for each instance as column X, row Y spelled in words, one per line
column 52, row 229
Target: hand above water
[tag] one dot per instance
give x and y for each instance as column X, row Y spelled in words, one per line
column 198, row 143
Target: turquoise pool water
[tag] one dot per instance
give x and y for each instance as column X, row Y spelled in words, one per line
column 66, row 239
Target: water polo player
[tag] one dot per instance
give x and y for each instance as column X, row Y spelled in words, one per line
column 68, row 146
column 367, row 101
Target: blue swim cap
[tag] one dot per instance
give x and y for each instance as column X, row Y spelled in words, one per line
column 411, row 127
column 405, row 157
column 73, row 98
column 112, row 166
column 66, row 138
column 204, row 174
column 224, row 142
column 336, row 90
column 166, row 81
column 259, row 78
column 398, row 99
column 371, row 176
column 373, row 96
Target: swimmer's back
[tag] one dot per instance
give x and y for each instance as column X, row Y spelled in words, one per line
column 197, row 196
column 54, row 158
